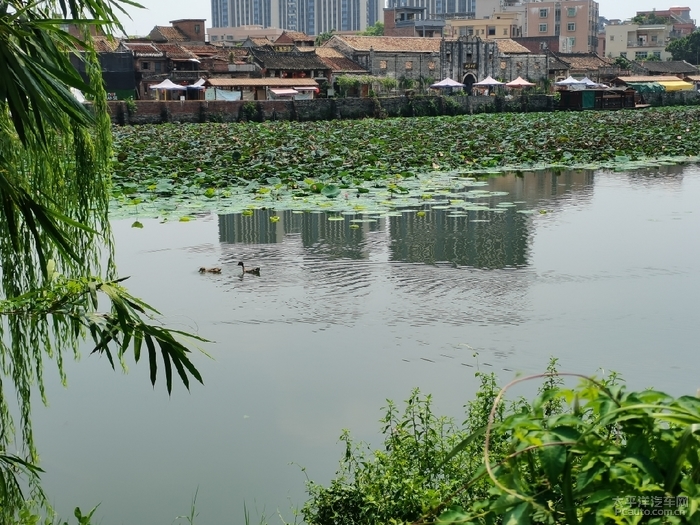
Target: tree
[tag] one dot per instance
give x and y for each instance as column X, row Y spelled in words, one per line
column 686, row 48
column 324, row 37
column 650, row 19
column 622, row 62
column 374, row 30
column 55, row 157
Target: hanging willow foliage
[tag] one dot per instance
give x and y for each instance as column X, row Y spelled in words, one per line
column 54, row 235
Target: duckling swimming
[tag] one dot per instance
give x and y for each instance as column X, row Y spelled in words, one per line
column 252, row 271
column 209, row 270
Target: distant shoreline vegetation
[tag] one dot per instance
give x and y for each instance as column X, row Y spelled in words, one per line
column 174, row 170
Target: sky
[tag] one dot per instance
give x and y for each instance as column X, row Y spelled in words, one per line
column 160, row 12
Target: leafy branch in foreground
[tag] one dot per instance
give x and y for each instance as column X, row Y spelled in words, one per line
column 76, row 302
column 593, row 454
column 607, row 456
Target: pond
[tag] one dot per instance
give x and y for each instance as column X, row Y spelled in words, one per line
column 604, row 275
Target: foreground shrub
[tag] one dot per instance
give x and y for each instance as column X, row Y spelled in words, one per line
column 590, row 454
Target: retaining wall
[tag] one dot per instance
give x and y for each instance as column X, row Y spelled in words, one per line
column 155, row 112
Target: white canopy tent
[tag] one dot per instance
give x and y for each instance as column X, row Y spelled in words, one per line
column 488, row 82
column 591, row 84
column 447, row 83
column 571, row 83
column 167, row 86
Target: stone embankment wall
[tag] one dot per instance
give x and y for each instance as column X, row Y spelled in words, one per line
column 155, row 112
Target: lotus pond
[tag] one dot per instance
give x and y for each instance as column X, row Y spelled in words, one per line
column 174, row 171
column 434, row 272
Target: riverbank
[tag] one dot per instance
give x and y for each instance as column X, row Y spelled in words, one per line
column 196, row 111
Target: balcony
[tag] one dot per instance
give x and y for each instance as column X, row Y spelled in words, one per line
column 646, row 45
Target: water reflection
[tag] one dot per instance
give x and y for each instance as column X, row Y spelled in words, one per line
column 332, row 238
column 343, row 318
column 668, row 176
column 493, row 238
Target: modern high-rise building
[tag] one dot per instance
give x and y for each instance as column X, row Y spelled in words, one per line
column 439, row 8
column 234, row 13
column 574, row 22
column 309, row 16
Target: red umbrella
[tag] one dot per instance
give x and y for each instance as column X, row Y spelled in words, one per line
column 519, row 83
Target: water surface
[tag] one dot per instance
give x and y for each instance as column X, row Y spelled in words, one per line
column 604, row 275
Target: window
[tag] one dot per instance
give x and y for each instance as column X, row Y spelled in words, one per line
column 544, row 13
column 470, row 31
column 214, row 38
column 492, row 30
column 571, row 26
column 623, row 54
column 612, row 38
column 657, row 54
column 505, row 31
column 409, row 65
column 196, row 28
column 229, row 37
column 570, row 11
column 653, row 38
column 543, row 28
column 158, row 66
column 640, row 55
column 382, row 64
column 145, row 66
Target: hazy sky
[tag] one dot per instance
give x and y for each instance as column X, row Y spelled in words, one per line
column 160, row 12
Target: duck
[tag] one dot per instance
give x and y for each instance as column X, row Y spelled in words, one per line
column 252, row 271
column 209, row 270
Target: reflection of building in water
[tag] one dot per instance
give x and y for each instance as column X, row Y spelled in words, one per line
column 499, row 243
column 502, row 241
column 537, row 187
column 666, row 176
column 318, row 234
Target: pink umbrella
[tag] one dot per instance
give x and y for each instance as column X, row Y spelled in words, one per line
column 519, row 83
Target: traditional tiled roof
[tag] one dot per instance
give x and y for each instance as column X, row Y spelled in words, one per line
column 672, row 67
column 168, row 33
column 337, row 62
column 175, row 51
column 647, row 78
column 202, row 51
column 693, row 78
column 259, row 41
column 555, row 64
column 296, row 36
column 507, row 46
column 238, row 52
column 105, row 44
column 268, row 81
column 584, row 61
column 143, row 49
column 388, row 43
column 294, row 60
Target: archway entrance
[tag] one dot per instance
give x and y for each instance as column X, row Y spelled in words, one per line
column 469, row 80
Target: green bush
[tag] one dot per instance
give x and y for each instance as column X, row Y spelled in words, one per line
column 411, row 474
column 592, row 454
